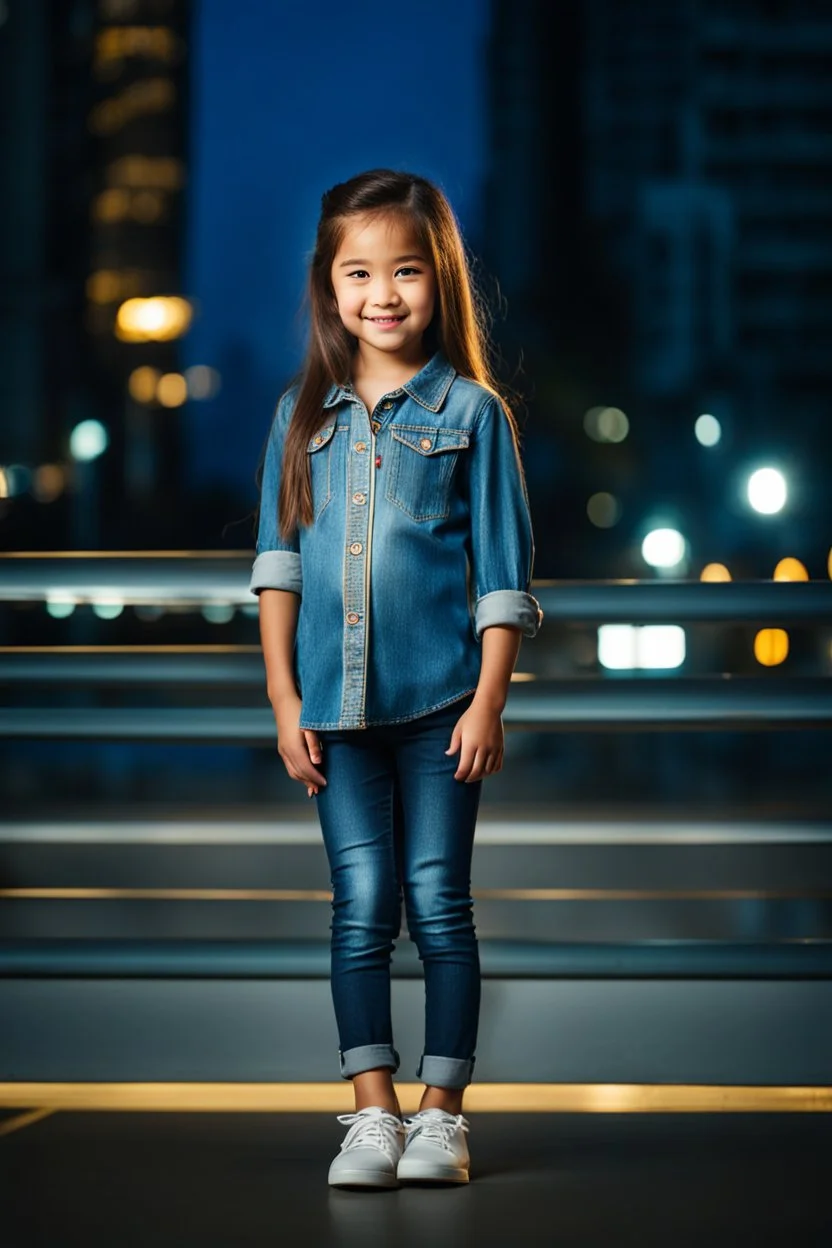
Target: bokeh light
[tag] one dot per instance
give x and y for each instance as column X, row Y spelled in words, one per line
column 142, row 383
column 790, row 569
column 767, row 491
column 606, row 424
column 707, row 429
column 158, row 319
column 203, row 382
column 604, row 510
column 48, row 482
column 715, row 572
column 172, row 390
column 663, row 548
column 624, row 647
column 88, row 440
column 771, row 646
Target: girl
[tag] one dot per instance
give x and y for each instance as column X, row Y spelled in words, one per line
column 393, row 563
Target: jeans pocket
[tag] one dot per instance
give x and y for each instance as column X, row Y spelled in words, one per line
column 423, row 460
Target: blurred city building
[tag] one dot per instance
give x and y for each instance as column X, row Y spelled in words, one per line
column 658, row 216
column 94, row 168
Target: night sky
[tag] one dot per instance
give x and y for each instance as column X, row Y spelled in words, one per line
column 288, row 99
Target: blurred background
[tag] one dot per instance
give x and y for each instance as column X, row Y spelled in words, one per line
column 646, row 191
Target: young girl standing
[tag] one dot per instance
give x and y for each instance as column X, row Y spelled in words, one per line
column 393, row 564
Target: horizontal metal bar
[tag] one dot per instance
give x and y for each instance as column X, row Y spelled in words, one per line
column 238, row 959
column 516, row 832
column 580, row 704
column 243, row 668
column 198, row 578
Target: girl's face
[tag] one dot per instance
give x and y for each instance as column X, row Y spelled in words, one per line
column 384, row 285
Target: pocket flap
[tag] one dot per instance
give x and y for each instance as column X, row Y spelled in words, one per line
column 321, row 438
column 431, row 441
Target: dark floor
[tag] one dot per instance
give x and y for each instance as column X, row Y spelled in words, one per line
column 131, row 1180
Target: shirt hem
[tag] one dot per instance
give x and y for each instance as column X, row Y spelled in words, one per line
column 380, row 723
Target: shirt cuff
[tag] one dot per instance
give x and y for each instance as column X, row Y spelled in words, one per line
column 276, row 569
column 511, row 607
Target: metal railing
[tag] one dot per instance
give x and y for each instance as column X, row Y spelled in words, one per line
column 769, row 701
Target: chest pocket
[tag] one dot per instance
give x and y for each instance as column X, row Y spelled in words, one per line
column 319, row 451
column 422, row 465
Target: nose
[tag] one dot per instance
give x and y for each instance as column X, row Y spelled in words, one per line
column 384, row 293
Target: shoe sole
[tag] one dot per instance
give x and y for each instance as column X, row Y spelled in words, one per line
column 360, row 1178
column 432, row 1174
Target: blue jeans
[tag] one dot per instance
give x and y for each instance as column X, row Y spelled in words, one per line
column 397, row 824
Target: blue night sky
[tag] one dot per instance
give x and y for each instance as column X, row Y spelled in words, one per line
column 286, row 100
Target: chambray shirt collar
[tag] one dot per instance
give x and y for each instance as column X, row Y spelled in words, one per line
column 429, row 387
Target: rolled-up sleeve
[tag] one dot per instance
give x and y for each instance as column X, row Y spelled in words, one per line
column 501, row 541
column 277, row 561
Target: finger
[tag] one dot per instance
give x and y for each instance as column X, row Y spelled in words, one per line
column 313, row 744
column 477, row 766
column 454, row 746
column 466, row 761
column 298, row 762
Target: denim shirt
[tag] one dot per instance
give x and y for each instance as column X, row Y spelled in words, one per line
column 421, row 539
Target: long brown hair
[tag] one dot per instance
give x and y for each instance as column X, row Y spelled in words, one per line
column 458, row 328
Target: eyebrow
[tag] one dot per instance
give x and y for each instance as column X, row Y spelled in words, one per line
column 399, row 260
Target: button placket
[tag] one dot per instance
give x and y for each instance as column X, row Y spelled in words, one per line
column 355, row 575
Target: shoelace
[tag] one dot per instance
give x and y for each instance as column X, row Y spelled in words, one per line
column 378, row 1128
column 436, row 1126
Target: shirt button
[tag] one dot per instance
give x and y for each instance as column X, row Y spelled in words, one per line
column 318, row 440
column 353, row 617
column 360, row 446
column 359, row 498
column 387, row 405
column 356, row 548
column 376, row 426
column 424, row 443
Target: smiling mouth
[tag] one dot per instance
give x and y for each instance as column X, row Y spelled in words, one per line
column 385, row 320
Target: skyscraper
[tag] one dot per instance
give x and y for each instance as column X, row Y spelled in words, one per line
column 678, row 157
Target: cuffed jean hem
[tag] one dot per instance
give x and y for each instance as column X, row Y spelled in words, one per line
column 445, row 1072
column 368, row 1057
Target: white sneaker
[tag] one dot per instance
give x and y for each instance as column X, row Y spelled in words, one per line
column 435, row 1150
column 371, row 1150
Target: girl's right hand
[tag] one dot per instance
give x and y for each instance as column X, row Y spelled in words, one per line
column 300, row 748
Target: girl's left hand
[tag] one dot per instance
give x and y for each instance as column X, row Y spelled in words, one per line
column 479, row 733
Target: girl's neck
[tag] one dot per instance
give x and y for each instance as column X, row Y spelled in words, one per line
column 377, row 368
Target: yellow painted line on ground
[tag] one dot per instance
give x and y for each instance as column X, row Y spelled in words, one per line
column 481, row 894
column 24, row 1120
column 517, row 1098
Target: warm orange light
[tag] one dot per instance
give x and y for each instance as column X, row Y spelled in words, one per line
column 48, row 482
column 715, row 572
column 790, row 569
column 172, row 390
column 163, row 173
column 142, row 383
column 158, row 319
column 104, row 286
column 771, row 645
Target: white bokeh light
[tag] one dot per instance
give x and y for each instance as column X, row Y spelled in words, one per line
column 707, row 429
column 663, row 548
column 88, row 440
column 626, row 647
column 767, row 491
